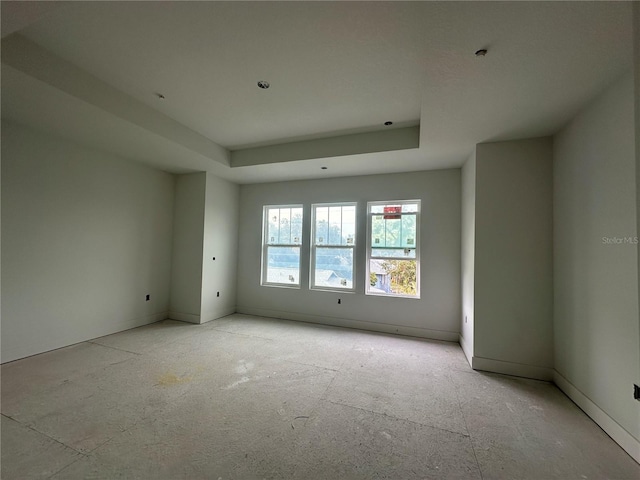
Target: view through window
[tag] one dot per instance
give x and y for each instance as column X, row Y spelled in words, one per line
column 282, row 238
column 393, row 248
column 333, row 245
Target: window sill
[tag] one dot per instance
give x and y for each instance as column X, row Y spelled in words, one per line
column 281, row 285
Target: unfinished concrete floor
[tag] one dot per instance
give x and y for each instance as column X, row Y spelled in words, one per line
column 246, row 397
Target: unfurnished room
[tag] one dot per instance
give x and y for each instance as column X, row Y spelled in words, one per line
column 320, row 240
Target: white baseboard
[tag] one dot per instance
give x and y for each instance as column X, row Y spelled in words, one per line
column 511, row 368
column 184, row 317
column 357, row 324
column 623, row 438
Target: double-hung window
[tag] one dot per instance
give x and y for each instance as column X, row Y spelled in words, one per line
column 333, row 242
column 393, row 248
column 282, row 238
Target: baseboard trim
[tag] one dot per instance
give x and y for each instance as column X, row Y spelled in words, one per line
column 184, row 317
column 466, row 348
column 511, row 368
column 612, row 428
column 349, row 323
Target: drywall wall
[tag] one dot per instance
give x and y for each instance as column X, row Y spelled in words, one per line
column 513, row 321
column 206, row 226
column 222, row 203
column 188, row 238
column 436, row 314
column 597, row 353
column 468, row 254
column 85, row 237
column 636, row 63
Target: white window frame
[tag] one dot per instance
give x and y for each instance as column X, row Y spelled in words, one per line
column 265, row 247
column 314, row 246
column 370, row 257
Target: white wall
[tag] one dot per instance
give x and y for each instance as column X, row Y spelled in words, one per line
column 85, row 237
column 188, row 238
column 636, row 63
column 222, row 206
column 597, row 353
column 513, row 321
column 206, row 226
column 468, row 255
column 436, row 314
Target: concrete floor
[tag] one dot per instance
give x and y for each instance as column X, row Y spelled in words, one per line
column 246, row 397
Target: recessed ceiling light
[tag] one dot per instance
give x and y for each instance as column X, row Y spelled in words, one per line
column 388, row 123
column 481, row 53
column 263, row 84
column 323, row 168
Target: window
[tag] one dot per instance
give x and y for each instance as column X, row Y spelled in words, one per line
column 282, row 238
column 332, row 246
column 393, row 253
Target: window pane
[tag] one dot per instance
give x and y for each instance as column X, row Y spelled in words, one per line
column 386, row 232
column 408, row 231
column 385, row 208
column 410, row 208
column 334, row 267
column 349, row 225
column 393, row 232
column 283, row 265
column 322, row 225
column 393, row 277
column 285, row 226
column 296, row 226
column 377, row 231
column 390, row 207
column 273, row 217
column 335, row 225
column 394, row 252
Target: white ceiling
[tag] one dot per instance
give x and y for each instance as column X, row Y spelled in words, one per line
column 334, row 68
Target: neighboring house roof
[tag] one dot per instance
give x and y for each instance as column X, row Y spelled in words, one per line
column 327, row 276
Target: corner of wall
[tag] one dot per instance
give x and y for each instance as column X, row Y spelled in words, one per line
column 466, row 349
column 608, row 424
column 467, row 260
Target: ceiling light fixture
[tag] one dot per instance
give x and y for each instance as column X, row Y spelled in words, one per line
column 264, row 85
column 388, row 123
column 481, row 53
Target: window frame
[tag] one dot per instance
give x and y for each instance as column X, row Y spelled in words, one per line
column 314, row 246
column 264, row 264
column 369, row 247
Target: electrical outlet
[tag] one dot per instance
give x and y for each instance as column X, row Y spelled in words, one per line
column 636, row 392
column 147, row 298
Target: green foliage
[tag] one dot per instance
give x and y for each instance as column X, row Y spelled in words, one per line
column 403, row 276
